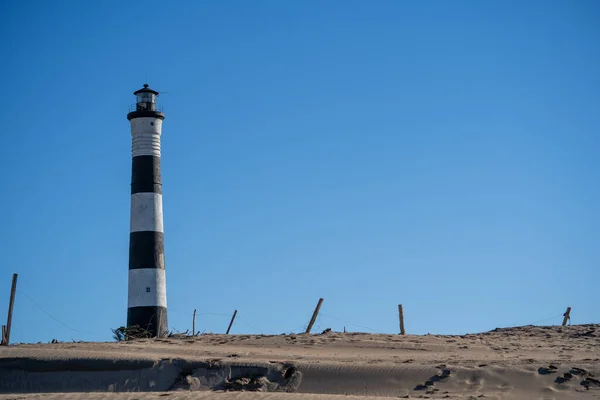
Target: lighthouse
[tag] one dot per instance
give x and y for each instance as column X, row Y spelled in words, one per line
column 147, row 297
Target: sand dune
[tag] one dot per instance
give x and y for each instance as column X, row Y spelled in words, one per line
column 189, row 396
column 521, row 363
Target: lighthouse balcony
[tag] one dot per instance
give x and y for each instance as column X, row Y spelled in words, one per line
column 148, row 110
column 145, row 113
column 145, row 107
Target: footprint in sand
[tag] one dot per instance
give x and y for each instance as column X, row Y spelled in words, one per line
column 578, row 371
column 474, row 382
column 504, row 387
column 590, row 382
column 547, row 370
column 562, row 379
column 429, row 384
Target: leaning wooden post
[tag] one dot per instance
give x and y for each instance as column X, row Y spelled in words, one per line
column 3, row 334
column 231, row 322
column 11, row 304
column 194, row 324
column 314, row 316
column 401, row 317
column 567, row 316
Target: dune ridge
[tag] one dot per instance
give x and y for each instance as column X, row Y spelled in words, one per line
column 524, row 362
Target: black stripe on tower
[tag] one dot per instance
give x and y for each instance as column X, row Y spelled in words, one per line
column 151, row 319
column 145, row 174
column 146, row 250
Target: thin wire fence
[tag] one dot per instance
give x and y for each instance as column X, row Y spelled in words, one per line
column 347, row 323
column 52, row 316
column 540, row 320
column 323, row 321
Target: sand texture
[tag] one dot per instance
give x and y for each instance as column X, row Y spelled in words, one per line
column 513, row 363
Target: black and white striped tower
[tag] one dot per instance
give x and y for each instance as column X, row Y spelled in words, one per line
column 147, row 300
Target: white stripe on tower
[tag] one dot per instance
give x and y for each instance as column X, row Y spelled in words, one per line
column 139, row 280
column 147, row 299
column 146, row 140
column 146, row 212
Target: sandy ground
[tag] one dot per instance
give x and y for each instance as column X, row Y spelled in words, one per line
column 188, row 396
column 513, row 363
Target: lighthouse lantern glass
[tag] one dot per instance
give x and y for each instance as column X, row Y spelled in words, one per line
column 146, row 97
column 146, row 101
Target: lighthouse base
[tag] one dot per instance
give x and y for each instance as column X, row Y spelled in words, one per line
column 151, row 319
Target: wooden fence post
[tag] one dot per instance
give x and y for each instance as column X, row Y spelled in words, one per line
column 231, row 322
column 3, row 335
column 567, row 316
column 11, row 303
column 401, row 317
column 194, row 323
column 314, row 316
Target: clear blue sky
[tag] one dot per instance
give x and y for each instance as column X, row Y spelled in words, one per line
column 439, row 154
